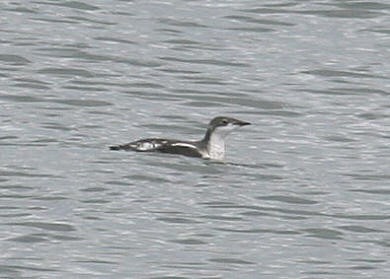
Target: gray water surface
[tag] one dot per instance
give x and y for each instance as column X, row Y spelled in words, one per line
column 304, row 191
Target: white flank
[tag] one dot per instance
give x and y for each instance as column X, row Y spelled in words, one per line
column 180, row 144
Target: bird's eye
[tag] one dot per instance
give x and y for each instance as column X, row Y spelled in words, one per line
column 224, row 121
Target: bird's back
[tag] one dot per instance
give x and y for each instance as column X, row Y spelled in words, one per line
column 162, row 145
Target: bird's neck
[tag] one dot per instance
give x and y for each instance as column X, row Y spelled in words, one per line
column 216, row 145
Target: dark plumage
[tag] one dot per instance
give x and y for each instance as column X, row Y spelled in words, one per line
column 212, row 146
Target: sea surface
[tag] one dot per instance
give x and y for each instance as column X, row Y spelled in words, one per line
column 303, row 193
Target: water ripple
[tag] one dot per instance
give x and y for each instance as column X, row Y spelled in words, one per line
column 303, row 192
column 15, row 60
column 46, row 226
column 288, row 199
column 78, row 5
column 324, row 233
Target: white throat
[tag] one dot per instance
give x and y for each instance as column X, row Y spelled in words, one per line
column 216, row 145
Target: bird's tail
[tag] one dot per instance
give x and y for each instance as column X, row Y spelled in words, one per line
column 115, row 147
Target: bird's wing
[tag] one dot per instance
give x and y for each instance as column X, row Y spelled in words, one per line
column 161, row 145
column 143, row 145
column 183, row 148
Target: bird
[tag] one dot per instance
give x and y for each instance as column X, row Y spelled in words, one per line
column 212, row 146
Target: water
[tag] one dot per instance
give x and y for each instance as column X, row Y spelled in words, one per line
column 304, row 192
